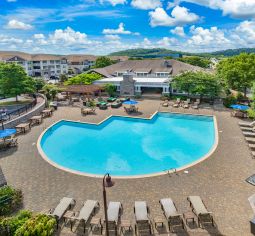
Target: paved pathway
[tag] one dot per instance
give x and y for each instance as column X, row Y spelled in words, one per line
column 219, row 180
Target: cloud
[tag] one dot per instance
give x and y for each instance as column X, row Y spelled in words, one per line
column 119, row 30
column 112, row 37
column 178, row 31
column 166, row 42
column 235, row 8
column 113, row 2
column 146, row 4
column 9, row 40
column 11, row 0
column 39, row 36
column 179, row 16
column 15, row 24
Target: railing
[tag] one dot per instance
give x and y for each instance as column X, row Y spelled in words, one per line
column 18, row 112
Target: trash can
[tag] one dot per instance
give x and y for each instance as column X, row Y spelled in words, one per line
column 252, row 224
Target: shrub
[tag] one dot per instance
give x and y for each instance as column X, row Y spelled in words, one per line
column 40, row 225
column 229, row 100
column 239, row 97
column 9, row 225
column 10, row 199
column 251, row 114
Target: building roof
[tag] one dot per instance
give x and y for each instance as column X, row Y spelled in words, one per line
column 137, row 79
column 83, row 89
column 80, row 58
column 173, row 67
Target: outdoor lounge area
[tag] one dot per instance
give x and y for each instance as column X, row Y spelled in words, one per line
column 218, row 182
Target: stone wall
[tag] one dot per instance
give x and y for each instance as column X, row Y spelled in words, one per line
column 127, row 86
column 25, row 117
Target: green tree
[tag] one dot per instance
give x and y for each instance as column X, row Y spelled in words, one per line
column 39, row 83
column 198, row 83
column 110, row 89
column 83, row 79
column 238, row 72
column 103, row 62
column 63, row 78
column 196, row 61
column 14, row 80
column 50, row 91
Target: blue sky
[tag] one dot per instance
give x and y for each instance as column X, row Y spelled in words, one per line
column 104, row 26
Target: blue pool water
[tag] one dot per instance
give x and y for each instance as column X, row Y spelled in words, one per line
column 128, row 146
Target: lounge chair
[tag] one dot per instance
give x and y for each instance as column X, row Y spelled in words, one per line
column 251, row 200
column 64, row 204
column 248, row 129
column 116, row 104
column 171, row 213
column 252, row 146
column 198, row 101
column 250, row 140
column 188, row 100
column 111, row 99
column 165, row 103
column 176, row 105
column 249, row 134
column 143, row 223
column 247, row 124
column 178, row 100
column 195, row 105
column 87, row 211
column 186, row 105
column 199, row 209
column 113, row 212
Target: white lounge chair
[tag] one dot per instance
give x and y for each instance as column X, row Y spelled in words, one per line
column 87, row 211
column 250, row 140
column 64, row 204
column 143, row 223
column 247, row 124
column 171, row 213
column 113, row 212
column 199, row 209
column 247, row 129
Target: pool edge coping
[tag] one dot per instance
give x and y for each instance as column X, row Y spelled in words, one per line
column 170, row 171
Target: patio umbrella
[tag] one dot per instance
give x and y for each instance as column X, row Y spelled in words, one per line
column 240, row 107
column 130, row 102
column 7, row 132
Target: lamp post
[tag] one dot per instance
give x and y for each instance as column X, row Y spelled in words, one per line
column 107, row 183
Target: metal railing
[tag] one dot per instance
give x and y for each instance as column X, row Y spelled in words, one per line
column 18, row 112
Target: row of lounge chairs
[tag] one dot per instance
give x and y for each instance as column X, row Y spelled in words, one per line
column 143, row 221
column 248, row 129
column 185, row 104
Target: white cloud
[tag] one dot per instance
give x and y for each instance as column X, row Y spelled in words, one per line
column 9, row 40
column 119, row 30
column 146, row 4
column 178, row 31
column 114, row 2
column 15, row 24
column 11, row 0
column 206, row 38
column 167, row 42
column 39, row 36
column 179, row 16
column 235, row 8
column 112, row 37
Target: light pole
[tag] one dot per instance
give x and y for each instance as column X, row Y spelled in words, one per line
column 107, row 183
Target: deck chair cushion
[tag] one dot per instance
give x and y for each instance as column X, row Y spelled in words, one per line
column 141, row 213
column 87, row 210
column 113, row 211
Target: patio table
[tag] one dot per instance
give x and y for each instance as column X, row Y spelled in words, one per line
column 47, row 113
column 23, row 127
column 36, row 120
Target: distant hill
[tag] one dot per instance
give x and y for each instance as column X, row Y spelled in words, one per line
column 161, row 52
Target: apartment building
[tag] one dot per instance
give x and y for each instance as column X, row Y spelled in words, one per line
column 38, row 65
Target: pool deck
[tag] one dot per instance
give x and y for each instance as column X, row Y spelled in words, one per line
column 219, row 180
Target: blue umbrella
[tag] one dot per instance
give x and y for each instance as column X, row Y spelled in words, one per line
column 240, row 107
column 130, row 102
column 7, row 132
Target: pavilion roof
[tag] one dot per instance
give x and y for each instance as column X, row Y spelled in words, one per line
column 83, row 89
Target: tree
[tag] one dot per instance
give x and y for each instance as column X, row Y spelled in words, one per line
column 50, row 91
column 14, row 80
column 39, row 83
column 63, row 78
column 198, row 83
column 196, row 61
column 238, row 72
column 110, row 89
column 103, row 62
column 83, row 79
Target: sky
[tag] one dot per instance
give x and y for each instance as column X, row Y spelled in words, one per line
column 103, row 26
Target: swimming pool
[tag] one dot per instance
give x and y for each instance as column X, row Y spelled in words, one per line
column 126, row 146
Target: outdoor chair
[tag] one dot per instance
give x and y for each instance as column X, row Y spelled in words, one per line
column 247, row 124
column 114, row 211
column 199, row 209
column 87, row 211
column 250, row 140
column 195, row 105
column 64, row 204
column 247, row 129
column 186, row 105
column 249, row 134
column 170, row 211
column 143, row 224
